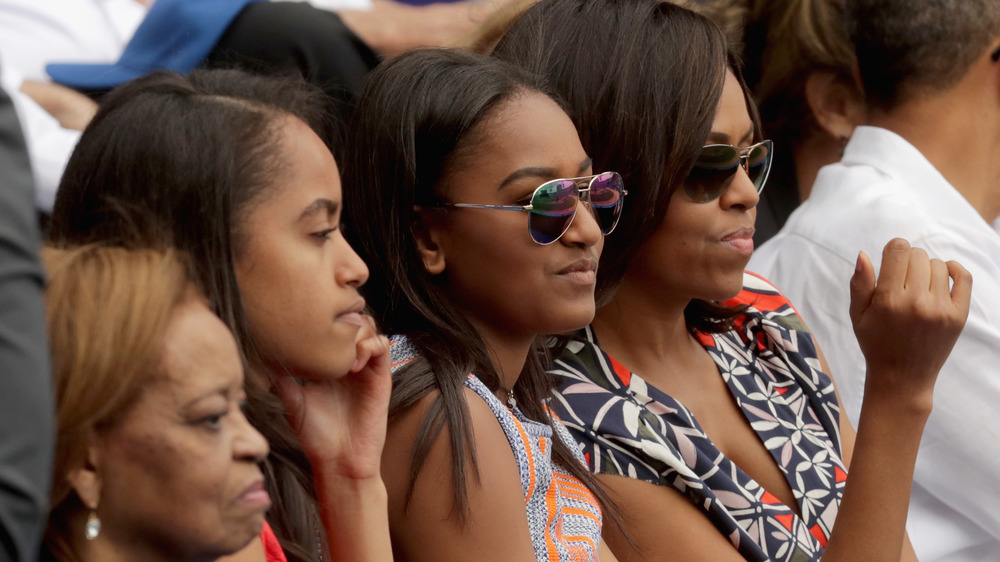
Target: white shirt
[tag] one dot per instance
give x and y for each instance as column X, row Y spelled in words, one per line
column 884, row 188
column 34, row 33
column 49, row 144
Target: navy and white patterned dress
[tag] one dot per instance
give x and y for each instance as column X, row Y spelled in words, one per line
column 627, row 427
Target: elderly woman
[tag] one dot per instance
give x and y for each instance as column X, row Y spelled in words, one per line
column 155, row 459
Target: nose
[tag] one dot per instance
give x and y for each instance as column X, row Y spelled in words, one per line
column 351, row 271
column 584, row 231
column 742, row 193
column 249, row 444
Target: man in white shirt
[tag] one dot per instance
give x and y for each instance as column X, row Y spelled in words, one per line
column 926, row 168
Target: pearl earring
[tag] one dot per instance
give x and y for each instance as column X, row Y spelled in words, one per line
column 93, row 527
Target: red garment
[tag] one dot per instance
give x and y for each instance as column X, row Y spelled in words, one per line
column 272, row 548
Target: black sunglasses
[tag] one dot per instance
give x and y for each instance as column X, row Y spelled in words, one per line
column 996, row 55
column 553, row 204
column 717, row 164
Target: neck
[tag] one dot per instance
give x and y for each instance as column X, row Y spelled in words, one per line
column 958, row 131
column 641, row 327
column 812, row 153
column 508, row 353
column 110, row 546
column 105, row 549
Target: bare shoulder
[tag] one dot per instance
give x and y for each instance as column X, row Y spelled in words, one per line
column 495, row 525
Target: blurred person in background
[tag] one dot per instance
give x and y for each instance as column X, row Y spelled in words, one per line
column 27, row 419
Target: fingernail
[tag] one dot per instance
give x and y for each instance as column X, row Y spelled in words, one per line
column 355, row 364
column 858, row 266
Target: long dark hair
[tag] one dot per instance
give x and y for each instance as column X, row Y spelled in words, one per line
column 416, row 118
column 642, row 80
column 177, row 160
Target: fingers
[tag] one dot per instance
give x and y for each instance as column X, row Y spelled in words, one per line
column 895, row 263
column 961, row 290
column 918, row 271
column 862, row 286
column 372, row 350
column 908, row 273
column 940, row 279
column 369, row 345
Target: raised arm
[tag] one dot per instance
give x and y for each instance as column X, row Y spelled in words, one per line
column 26, row 413
column 906, row 323
column 341, row 424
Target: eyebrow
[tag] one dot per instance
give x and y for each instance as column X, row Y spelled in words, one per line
column 537, row 172
column 722, row 138
column 318, row 206
column 222, row 391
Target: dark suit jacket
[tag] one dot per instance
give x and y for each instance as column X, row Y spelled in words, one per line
column 26, row 411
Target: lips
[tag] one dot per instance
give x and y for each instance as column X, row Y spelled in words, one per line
column 741, row 240
column 583, row 270
column 353, row 314
column 581, row 265
column 255, row 494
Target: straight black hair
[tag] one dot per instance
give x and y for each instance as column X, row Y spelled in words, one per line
column 177, row 160
column 642, row 81
column 418, row 117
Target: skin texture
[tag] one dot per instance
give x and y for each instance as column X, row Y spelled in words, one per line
column 511, row 290
column 906, row 321
column 687, row 253
column 299, row 282
column 528, row 295
column 177, row 477
column 72, row 109
column 296, row 269
column 392, row 27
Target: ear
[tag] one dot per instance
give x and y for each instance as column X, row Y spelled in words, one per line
column 86, row 479
column 427, row 234
column 836, row 102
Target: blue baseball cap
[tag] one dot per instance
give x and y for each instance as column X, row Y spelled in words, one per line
column 175, row 35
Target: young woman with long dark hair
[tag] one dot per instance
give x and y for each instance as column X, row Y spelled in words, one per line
column 488, row 221
column 698, row 394
column 236, row 171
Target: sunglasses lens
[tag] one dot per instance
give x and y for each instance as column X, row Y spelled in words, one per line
column 606, row 199
column 553, row 207
column 759, row 164
column 712, row 173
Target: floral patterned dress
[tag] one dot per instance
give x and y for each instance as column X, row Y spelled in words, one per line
column 627, row 427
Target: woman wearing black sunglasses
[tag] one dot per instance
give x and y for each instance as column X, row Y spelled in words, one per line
column 698, row 395
column 490, row 223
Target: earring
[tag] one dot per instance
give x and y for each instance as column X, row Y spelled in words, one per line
column 93, row 527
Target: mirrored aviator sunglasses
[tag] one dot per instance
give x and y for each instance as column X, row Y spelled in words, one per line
column 717, row 164
column 553, row 205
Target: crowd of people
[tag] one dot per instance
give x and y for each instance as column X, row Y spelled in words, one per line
column 365, row 281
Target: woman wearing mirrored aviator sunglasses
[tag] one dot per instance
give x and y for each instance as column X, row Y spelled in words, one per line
column 698, row 395
column 444, row 146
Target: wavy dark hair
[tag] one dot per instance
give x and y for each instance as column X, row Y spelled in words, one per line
column 418, row 118
column 642, row 80
column 178, row 160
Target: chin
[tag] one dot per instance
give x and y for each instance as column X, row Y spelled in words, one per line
column 241, row 537
column 572, row 322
